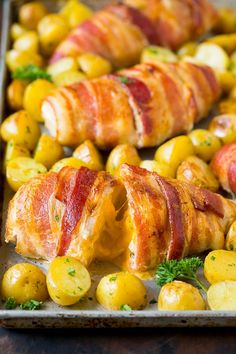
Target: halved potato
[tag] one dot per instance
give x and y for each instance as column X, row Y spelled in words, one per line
column 220, row 265
column 222, row 296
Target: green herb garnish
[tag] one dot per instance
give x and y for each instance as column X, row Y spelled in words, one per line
column 213, row 258
column 123, row 79
column 10, row 303
column 31, row 305
column 125, row 307
column 71, row 271
column 231, row 247
column 57, row 218
column 30, row 73
column 183, row 269
column 113, row 278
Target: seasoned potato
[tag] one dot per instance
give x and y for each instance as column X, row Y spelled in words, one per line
column 180, row 296
column 227, row 80
column 155, row 53
column 233, row 92
column 31, row 13
column 197, row 172
column 16, row 31
column 52, row 30
column 24, row 282
column 68, row 161
column 227, row 21
column 88, row 153
column 63, row 65
column 230, row 242
column 48, row 151
column 205, row 143
column 159, row 167
column 22, row 129
column 227, row 106
column 174, row 151
column 124, row 153
column 75, row 12
column 15, row 94
column 224, row 127
column 94, row 65
column 28, row 42
column 14, row 150
column 212, row 55
column 68, row 78
column 67, row 281
column 34, row 95
column 222, row 296
column 16, row 59
column 188, row 49
column 226, row 41
column 21, row 169
column 220, row 265
column 118, row 289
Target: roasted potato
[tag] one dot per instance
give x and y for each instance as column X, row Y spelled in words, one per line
column 227, row 21
column 155, row 53
column 225, row 41
column 180, row 296
column 212, row 55
column 224, row 127
column 67, row 281
column 119, row 289
column 31, row 13
column 24, row 282
column 48, row 151
column 188, row 49
column 16, row 59
column 75, row 12
column 15, row 94
column 16, row 31
column 222, row 296
column 230, row 242
column 205, row 143
column 28, row 42
column 14, row 150
column 174, row 151
column 159, row 167
column 233, row 92
column 34, row 95
column 68, row 161
column 227, row 80
column 227, row 106
column 220, row 265
column 93, row 65
column 21, row 128
column 63, row 65
column 21, row 169
column 68, row 78
column 88, row 153
column 124, row 153
column 197, row 172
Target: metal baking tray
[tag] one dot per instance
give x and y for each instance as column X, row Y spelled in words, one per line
column 86, row 314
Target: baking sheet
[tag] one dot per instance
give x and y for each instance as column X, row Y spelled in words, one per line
column 87, row 313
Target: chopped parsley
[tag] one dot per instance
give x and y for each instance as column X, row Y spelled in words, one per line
column 123, row 79
column 113, row 278
column 30, row 73
column 57, row 218
column 31, row 305
column 71, row 271
column 125, row 307
column 10, row 303
column 213, row 258
column 231, row 247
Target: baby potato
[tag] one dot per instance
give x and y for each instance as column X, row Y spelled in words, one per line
column 205, row 143
column 230, row 242
column 24, row 282
column 16, row 59
column 188, row 49
column 68, row 78
column 48, row 151
column 63, row 65
column 197, row 172
column 88, row 153
column 222, row 296
column 124, row 288
column 31, row 13
column 159, row 167
column 154, row 53
column 124, row 153
column 94, row 65
column 68, row 161
column 227, row 80
column 28, row 42
column 22, row 129
column 16, row 31
column 227, row 20
column 52, row 29
column 224, row 127
column 212, row 55
column 180, row 296
column 21, row 169
column 220, row 265
column 227, row 106
column 174, row 151
column 67, row 281
column 233, row 92
column 75, row 13
column 15, row 94
column 14, row 150
column 34, row 94
column 225, row 41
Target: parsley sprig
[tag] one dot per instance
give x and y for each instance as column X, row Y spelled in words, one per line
column 31, row 305
column 125, row 307
column 10, row 303
column 30, row 73
column 180, row 269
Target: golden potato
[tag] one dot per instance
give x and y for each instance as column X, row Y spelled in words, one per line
column 21, row 128
column 31, row 13
column 119, row 289
column 28, row 42
column 14, row 150
column 205, row 143
column 94, row 65
column 224, row 127
column 124, row 153
column 226, row 41
column 75, row 12
column 233, row 92
column 24, row 282
column 68, row 161
column 222, row 296
column 68, row 78
column 67, row 281
column 16, row 59
column 212, row 55
column 48, row 151
column 34, row 95
column 159, row 167
column 227, row 20
column 21, row 169
column 227, row 80
column 197, row 172
column 16, row 31
column 88, row 153
column 220, row 265
column 230, row 242
column 52, row 30
column 180, row 296
column 63, row 65
column 188, row 49
column 15, row 94
column 227, row 106
column 154, row 53
column 174, row 151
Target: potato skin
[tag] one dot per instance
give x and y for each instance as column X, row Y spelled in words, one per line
column 30, row 14
column 88, row 153
column 14, row 150
column 159, row 167
column 68, row 161
column 220, row 265
column 222, row 296
column 124, row 153
column 230, row 242
column 224, row 127
column 180, row 296
column 15, row 94
column 24, row 282
column 205, row 143
column 28, row 42
column 48, row 151
column 124, row 288
column 16, row 58
column 17, row 30
column 94, row 65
